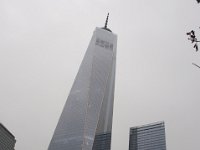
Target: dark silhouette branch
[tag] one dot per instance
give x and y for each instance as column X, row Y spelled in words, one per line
column 196, row 65
column 193, row 39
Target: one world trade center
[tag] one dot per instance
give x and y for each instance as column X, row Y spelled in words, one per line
column 86, row 119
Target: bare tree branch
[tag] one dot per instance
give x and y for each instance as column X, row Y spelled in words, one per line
column 196, row 65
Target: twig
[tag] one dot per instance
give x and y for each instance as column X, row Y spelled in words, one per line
column 196, row 65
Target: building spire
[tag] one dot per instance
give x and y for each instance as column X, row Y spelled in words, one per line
column 106, row 23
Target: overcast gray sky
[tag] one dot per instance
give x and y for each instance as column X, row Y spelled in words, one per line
column 42, row 44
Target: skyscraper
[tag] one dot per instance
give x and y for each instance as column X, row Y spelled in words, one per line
column 86, row 120
column 7, row 139
column 148, row 137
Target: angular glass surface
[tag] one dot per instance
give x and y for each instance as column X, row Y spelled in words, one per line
column 89, row 107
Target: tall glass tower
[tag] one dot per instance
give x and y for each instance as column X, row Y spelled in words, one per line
column 148, row 137
column 7, row 139
column 86, row 120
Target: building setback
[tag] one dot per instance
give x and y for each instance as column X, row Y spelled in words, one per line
column 148, row 137
column 86, row 119
column 7, row 139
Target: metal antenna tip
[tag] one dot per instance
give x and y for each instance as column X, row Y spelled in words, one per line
column 106, row 23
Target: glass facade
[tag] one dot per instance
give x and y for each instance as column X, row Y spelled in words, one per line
column 87, row 114
column 7, row 140
column 102, row 141
column 148, row 137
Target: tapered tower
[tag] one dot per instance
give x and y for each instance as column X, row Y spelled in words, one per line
column 86, row 120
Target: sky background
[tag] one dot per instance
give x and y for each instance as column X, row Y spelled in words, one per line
column 42, row 44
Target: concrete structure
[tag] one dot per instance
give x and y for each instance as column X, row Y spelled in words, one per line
column 148, row 137
column 86, row 120
column 7, row 139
